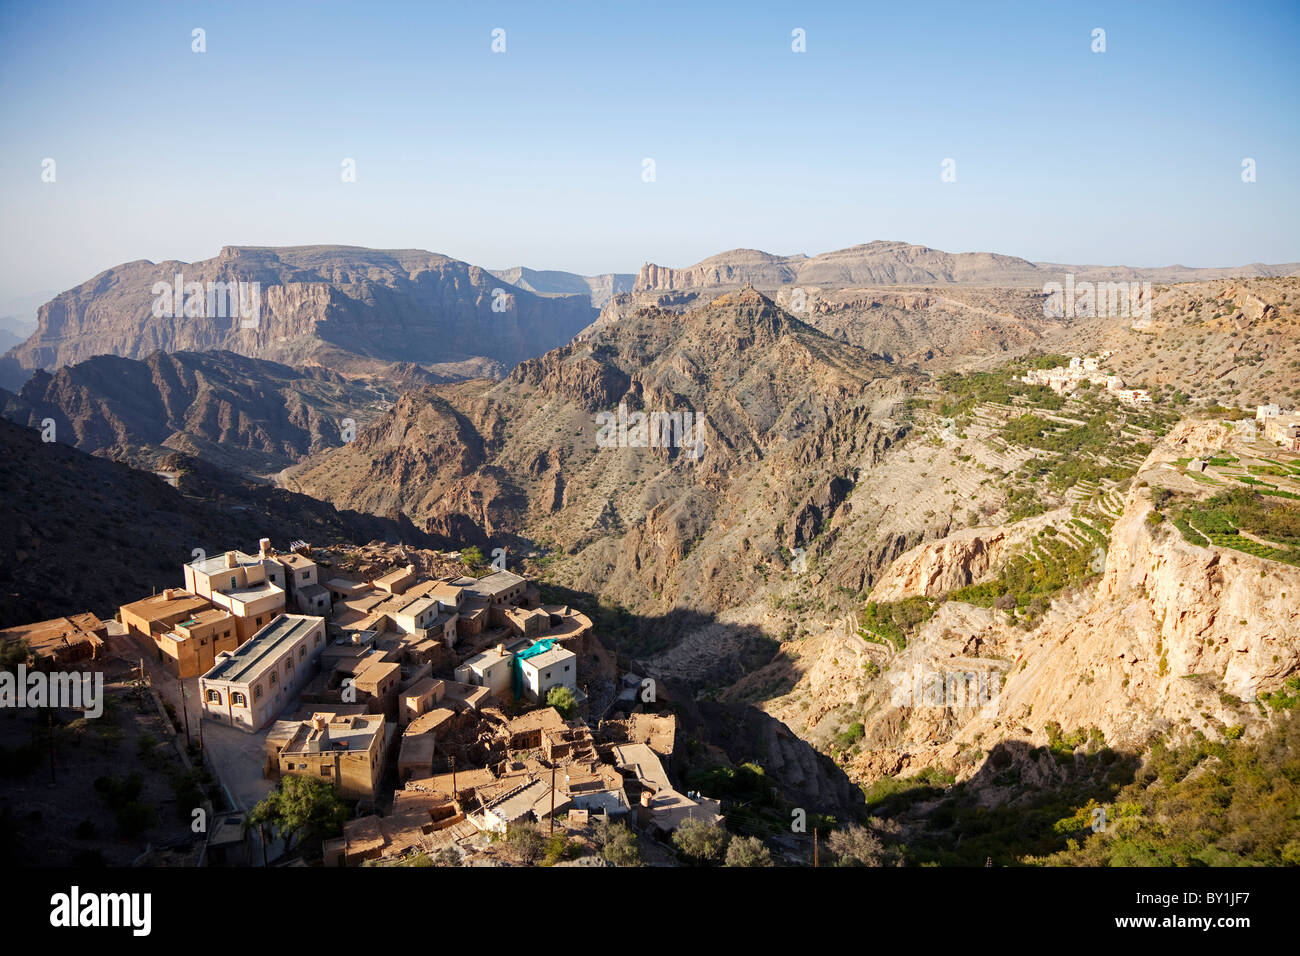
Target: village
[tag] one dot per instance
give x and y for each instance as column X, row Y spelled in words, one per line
column 447, row 709
column 1065, row 379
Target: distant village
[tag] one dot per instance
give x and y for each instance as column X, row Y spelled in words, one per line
column 1280, row 426
column 1065, row 379
column 439, row 683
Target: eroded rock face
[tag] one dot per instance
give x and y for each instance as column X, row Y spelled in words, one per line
column 316, row 304
column 1172, row 637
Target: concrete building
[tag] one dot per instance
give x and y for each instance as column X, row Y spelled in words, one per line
column 490, row 669
column 157, row 613
column 1284, row 430
column 302, row 583
column 247, row 687
column 191, row 647
column 554, row 668
column 251, row 588
column 347, row 750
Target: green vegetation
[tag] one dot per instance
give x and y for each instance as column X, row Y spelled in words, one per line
column 701, row 843
column 1027, row 583
column 562, row 699
column 1222, row 519
column 618, row 844
column 893, row 622
column 305, row 809
column 748, row 851
column 1230, row 803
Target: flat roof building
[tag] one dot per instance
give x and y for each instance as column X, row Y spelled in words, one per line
column 247, row 687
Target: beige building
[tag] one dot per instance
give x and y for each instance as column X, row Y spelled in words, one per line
column 150, row 616
column 304, row 591
column 251, row 588
column 1284, row 430
column 62, row 640
column 348, row 751
column 247, row 687
column 191, row 647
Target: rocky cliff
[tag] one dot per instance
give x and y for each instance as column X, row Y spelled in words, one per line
column 306, row 305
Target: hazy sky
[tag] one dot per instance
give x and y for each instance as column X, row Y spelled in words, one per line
column 535, row 156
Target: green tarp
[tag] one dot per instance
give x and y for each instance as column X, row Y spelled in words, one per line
column 541, row 647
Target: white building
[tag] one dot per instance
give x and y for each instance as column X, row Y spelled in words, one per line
column 554, row 668
column 248, row 687
column 490, row 669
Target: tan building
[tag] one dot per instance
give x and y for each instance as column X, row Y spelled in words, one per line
column 348, row 751
column 1284, row 430
column 62, row 640
column 247, row 687
column 304, row 591
column 153, row 615
column 191, row 647
column 252, row 588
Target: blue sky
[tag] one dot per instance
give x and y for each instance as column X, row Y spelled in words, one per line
column 534, row 156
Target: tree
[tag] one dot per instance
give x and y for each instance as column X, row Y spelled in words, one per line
column 447, row 856
column 562, row 699
column 524, row 842
column 472, row 557
column 856, row 846
column 748, row 851
column 700, row 842
column 303, row 808
column 618, row 844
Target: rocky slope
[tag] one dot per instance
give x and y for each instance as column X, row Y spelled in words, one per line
column 791, row 418
column 318, row 305
column 1173, row 637
column 82, row 533
column 240, row 413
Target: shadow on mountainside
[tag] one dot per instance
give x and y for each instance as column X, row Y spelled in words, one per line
column 717, row 739
column 1023, row 801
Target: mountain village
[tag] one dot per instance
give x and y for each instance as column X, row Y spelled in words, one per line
column 449, row 709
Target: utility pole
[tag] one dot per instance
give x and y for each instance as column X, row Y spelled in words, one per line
column 186, row 711
column 552, row 798
column 814, row 846
column 455, row 796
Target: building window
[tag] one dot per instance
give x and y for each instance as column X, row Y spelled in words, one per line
column 257, row 692
column 238, row 699
column 302, row 652
column 259, row 622
column 214, row 697
column 547, row 675
column 273, row 680
column 288, row 665
column 233, row 583
column 566, row 668
column 318, row 638
column 325, row 771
